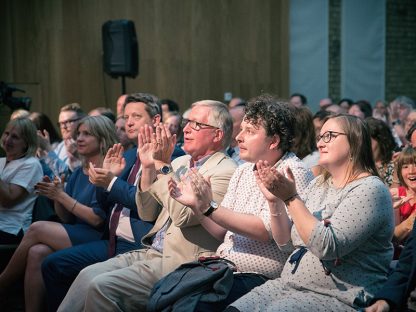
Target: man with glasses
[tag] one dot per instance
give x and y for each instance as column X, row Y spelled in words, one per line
column 63, row 158
column 125, row 282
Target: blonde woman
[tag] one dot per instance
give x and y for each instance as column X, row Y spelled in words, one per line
column 20, row 170
column 76, row 206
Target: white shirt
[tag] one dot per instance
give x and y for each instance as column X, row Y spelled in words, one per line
column 25, row 172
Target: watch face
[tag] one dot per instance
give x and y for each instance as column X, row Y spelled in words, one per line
column 213, row 204
column 165, row 169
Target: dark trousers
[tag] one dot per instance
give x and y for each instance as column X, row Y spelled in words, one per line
column 60, row 268
column 243, row 283
column 7, row 238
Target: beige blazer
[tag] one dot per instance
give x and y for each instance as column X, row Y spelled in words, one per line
column 185, row 239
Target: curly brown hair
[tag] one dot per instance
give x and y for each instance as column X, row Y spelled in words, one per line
column 277, row 117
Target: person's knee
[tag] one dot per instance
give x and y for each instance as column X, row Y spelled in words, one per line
column 98, row 286
column 35, row 229
column 38, row 252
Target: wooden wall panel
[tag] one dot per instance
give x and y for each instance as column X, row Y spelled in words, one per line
column 189, row 49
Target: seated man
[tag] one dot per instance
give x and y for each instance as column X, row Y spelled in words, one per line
column 62, row 159
column 126, row 228
column 125, row 282
column 243, row 221
column 396, row 291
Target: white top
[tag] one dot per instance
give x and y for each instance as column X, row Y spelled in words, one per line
column 244, row 196
column 311, row 160
column 25, row 172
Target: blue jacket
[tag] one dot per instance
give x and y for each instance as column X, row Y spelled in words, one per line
column 402, row 281
column 125, row 194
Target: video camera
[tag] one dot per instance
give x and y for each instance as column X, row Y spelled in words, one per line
column 7, row 98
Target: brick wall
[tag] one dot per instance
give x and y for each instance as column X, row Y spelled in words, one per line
column 334, row 79
column 400, row 49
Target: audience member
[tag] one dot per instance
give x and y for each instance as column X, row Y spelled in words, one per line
column 120, row 105
column 45, row 129
column 318, row 120
column 399, row 109
column 323, row 103
column 103, row 111
column 334, row 108
column 411, row 136
column 177, row 236
column 235, row 101
column 237, row 114
column 122, row 135
column 361, row 109
column 345, row 104
column 410, row 120
column 404, row 195
column 77, row 207
column 298, row 100
column 19, row 113
column 342, row 230
column 45, row 125
column 304, row 145
column 395, row 292
column 383, row 146
column 243, row 219
column 168, row 106
column 63, row 159
column 19, row 172
column 116, row 190
column 173, row 121
column 380, row 111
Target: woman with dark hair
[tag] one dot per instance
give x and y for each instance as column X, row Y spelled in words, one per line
column 411, row 135
column 45, row 125
column 361, row 109
column 304, row 145
column 48, row 139
column 383, row 146
column 76, row 206
column 404, row 195
column 341, row 230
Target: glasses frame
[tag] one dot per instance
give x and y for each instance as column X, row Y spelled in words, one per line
column 330, row 135
column 196, row 125
column 64, row 124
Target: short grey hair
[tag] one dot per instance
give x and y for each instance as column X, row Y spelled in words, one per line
column 219, row 117
column 405, row 100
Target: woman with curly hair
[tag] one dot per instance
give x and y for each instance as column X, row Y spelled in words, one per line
column 383, row 146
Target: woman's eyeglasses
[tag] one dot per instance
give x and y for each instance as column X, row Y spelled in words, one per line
column 328, row 136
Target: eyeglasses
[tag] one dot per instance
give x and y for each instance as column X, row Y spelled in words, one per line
column 66, row 123
column 328, row 136
column 196, row 125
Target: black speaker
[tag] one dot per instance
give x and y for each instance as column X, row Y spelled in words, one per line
column 121, row 52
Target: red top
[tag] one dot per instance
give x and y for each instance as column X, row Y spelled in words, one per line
column 406, row 209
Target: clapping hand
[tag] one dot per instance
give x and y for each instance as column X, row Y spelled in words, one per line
column 44, row 141
column 277, row 185
column 400, row 200
column 145, row 146
column 193, row 191
column 51, row 189
column 114, row 160
column 163, row 143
